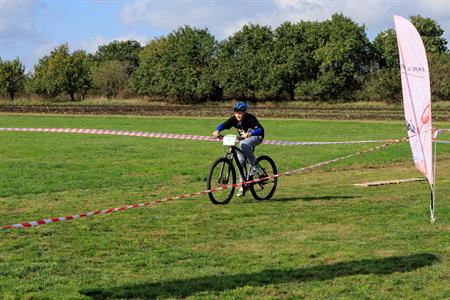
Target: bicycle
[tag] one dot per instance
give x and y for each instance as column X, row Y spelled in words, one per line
column 222, row 173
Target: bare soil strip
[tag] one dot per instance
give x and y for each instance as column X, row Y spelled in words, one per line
column 196, row 110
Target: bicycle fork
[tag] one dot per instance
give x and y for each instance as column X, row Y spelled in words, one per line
column 243, row 173
column 227, row 179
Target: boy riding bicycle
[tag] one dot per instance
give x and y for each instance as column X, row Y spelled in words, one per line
column 252, row 133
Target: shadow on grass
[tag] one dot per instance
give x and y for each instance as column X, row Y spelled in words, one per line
column 218, row 283
column 312, row 198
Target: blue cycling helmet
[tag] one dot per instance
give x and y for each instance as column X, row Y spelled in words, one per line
column 240, row 106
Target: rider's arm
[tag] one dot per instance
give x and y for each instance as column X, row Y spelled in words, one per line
column 219, row 127
column 257, row 132
column 257, row 129
column 227, row 124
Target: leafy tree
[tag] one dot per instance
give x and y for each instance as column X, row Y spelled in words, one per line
column 431, row 33
column 245, row 64
column 62, row 72
column 344, row 59
column 149, row 77
column 385, row 44
column 387, row 78
column 439, row 75
column 77, row 74
column 189, row 63
column 12, row 76
column 123, row 51
column 110, row 77
column 178, row 66
column 48, row 77
column 383, row 85
column 294, row 46
column 28, row 85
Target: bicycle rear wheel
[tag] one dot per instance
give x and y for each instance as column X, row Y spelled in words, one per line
column 221, row 173
column 264, row 190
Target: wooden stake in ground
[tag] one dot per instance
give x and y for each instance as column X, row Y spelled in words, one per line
column 395, row 181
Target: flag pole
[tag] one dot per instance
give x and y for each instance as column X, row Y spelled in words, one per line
column 433, row 185
column 432, row 215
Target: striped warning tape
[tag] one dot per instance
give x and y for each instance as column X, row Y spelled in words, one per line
column 112, row 132
column 174, row 136
column 439, row 131
column 188, row 136
column 182, row 196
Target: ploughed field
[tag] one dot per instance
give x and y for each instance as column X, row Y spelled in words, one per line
column 319, row 237
column 306, row 111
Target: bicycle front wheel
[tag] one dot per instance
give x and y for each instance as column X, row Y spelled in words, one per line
column 222, row 173
column 264, row 190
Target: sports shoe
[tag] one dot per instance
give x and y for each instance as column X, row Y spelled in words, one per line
column 240, row 192
column 254, row 170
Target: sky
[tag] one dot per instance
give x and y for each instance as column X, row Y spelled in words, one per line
column 30, row 29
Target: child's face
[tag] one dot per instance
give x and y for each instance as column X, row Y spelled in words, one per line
column 239, row 115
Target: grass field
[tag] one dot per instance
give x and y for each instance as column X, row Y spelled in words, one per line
column 319, row 237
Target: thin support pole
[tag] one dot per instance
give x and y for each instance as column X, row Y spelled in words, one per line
column 433, row 185
column 432, row 207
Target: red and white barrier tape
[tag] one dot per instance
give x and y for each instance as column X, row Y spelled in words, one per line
column 439, row 131
column 174, row 136
column 126, row 207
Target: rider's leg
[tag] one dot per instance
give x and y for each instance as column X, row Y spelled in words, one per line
column 247, row 146
column 242, row 158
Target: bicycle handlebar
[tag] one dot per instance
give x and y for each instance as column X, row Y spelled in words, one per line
column 238, row 137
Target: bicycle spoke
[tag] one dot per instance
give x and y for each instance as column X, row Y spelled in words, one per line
column 265, row 188
column 221, row 174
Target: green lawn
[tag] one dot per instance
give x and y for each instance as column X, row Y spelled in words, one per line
column 320, row 237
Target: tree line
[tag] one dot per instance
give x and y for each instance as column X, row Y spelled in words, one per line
column 326, row 60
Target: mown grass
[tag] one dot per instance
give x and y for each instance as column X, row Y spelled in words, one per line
column 320, row 237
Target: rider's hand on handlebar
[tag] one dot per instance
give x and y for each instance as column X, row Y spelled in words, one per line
column 216, row 133
column 246, row 135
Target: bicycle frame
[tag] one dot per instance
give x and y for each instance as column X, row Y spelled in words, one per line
column 262, row 188
column 233, row 153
